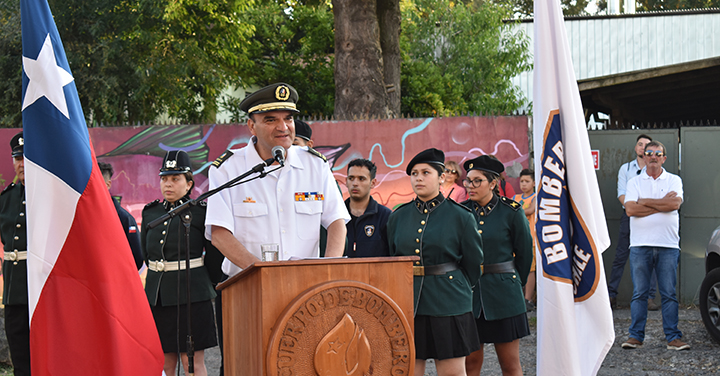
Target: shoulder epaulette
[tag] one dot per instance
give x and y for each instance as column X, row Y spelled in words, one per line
column 8, row 188
column 401, row 205
column 150, row 205
column 202, row 203
column 511, row 203
column 222, row 158
column 460, row 205
column 316, row 153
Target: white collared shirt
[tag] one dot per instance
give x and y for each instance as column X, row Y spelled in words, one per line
column 659, row 229
column 287, row 207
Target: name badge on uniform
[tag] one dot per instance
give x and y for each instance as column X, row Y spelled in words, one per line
column 309, row 196
column 369, row 230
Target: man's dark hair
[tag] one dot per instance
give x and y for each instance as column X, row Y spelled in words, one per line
column 106, row 168
column 643, row 136
column 364, row 163
column 528, row 172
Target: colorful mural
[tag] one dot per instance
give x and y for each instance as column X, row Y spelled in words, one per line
column 136, row 152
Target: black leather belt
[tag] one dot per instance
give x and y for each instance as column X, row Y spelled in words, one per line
column 435, row 269
column 501, row 267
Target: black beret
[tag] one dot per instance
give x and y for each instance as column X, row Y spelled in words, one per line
column 175, row 162
column 303, row 130
column 430, row 156
column 275, row 97
column 17, row 144
column 484, row 163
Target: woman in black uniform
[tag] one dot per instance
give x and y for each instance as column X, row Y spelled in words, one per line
column 444, row 234
column 164, row 249
column 499, row 304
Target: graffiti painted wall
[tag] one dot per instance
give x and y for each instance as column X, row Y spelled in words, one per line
column 136, row 152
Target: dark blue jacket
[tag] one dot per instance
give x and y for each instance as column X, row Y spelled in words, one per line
column 132, row 232
column 367, row 234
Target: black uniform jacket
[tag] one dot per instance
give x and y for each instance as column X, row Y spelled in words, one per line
column 161, row 244
column 13, row 233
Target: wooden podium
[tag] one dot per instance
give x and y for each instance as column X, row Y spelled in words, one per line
column 326, row 317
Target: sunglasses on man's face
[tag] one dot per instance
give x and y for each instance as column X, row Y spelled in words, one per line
column 657, row 153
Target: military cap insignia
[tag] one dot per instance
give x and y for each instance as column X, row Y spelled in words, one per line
column 317, row 154
column 222, row 158
column 170, row 164
column 21, row 141
column 471, row 165
column 282, row 93
column 369, row 230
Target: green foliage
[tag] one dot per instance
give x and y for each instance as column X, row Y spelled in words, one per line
column 10, row 65
column 459, row 57
column 654, row 5
column 524, row 8
column 293, row 45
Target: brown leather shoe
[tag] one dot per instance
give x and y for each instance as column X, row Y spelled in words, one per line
column 678, row 345
column 633, row 343
column 652, row 306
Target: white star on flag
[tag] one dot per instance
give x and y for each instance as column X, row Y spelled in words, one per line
column 47, row 79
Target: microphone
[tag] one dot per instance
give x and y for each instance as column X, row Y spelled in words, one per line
column 278, row 153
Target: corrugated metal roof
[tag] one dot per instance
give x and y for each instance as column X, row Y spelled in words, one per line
column 608, row 45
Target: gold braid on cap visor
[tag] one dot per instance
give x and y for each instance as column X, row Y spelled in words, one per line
column 274, row 106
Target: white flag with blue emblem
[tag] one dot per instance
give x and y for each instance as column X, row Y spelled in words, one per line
column 575, row 323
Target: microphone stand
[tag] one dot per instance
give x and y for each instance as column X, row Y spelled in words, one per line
column 187, row 220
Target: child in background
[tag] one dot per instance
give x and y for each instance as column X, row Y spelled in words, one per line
column 527, row 200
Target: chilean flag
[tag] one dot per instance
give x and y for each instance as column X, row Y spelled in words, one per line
column 575, row 322
column 88, row 312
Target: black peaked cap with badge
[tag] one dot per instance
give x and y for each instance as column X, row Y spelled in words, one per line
column 17, row 144
column 430, row 156
column 303, row 130
column 484, row 163
column 176, row 162
column 275, row 97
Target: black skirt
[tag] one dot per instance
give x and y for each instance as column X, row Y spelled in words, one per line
column 445, row 337
column 203, row 326
column 503, row 330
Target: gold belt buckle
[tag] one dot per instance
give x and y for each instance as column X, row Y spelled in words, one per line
column 418, row 271
column 13, row 256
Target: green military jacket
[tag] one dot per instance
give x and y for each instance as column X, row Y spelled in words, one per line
column 13, row 233
column 439, row 231
column 506, row 237
column 161, row 244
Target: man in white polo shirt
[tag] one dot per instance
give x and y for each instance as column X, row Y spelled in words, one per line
column 652, row 201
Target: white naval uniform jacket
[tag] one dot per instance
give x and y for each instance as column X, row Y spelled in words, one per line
column 287, row 207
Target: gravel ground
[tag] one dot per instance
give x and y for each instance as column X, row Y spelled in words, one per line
column 651, row 359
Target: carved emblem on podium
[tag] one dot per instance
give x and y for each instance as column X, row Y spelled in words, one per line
column 341, row 328
column 345, row 350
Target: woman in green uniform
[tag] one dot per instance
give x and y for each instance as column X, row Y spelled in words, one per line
column 164, row 249
column 499, row 304
column 444, row 235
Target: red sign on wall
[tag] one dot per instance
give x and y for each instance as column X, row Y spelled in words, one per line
column 596, row 158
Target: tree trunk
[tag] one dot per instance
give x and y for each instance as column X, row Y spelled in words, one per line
column 359, row 82
column 389, row 17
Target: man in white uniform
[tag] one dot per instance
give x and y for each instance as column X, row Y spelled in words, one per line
column 288, row 206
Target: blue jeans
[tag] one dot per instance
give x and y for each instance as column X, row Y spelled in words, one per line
column 642, row 262
column 622, row 251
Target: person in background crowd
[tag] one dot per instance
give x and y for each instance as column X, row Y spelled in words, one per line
column 628, row 171
column 303, row 134
column 444, row 235
column 527, row 200
column 652, row 201
column 13, row 233
column 367, row 229
column 504, row 189
column 164, row 248
column 499, row 303
column 450, row 187
column 289, row 205
column 126, row 220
